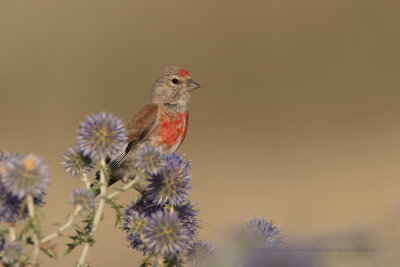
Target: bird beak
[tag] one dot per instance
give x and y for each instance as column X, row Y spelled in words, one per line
column 192, row 85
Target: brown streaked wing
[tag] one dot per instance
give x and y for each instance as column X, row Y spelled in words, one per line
column 139, row 129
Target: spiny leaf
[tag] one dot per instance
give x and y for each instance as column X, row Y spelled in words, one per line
column 46, row 251
column 79, row 238
column 147, row 261
column 116, row 207
column 35, row 225
column 95, row 186
column 106, row 170
column 170, row 262
column 49, row 250
column 29, row 241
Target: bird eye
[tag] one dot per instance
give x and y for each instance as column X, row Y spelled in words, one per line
column 175, row 81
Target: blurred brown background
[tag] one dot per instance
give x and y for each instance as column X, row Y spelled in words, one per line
column 297, row 120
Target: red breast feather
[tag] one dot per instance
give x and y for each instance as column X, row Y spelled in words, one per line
column 172, row 129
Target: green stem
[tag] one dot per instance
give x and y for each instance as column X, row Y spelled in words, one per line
column 62, row 228
column 98, row 212
column 11, row 231
column 86, row 180
column 31, row 212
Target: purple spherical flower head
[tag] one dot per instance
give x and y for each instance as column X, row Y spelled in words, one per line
column 199, row 252
column 4, row 155
column 10, row 207
column 165, row 234
column 263, row 231
column 172, row 183
column 144, row 205
column 26, row 175
column 11, row 251
column 150, row 160
column 187, row 214
column 101, row 135
column 145, row 208
column 142, row 209
column 133, row 223
column 13, row 208
column 84, row 198
column 75, row 162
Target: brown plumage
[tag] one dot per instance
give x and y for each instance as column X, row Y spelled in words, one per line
column 162, row 122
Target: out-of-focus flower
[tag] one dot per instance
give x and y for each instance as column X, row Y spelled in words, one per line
column 75, row 162
column 263, row 232
column 25, row 175
column 150, row 160
column 101, row 135
column 199, row 252
column 84, row 198
column 165, row 234
column 11, row 209
column 4, row 155
column 172, row 184
column 11, row 251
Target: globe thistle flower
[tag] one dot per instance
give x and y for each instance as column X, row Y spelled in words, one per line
column 11, row 251
column 75, row 162
column 144, row 205
column 26, row 175
column 144, row 208
column 172, row 184
column 165, row 234
column 14, row 209
column 4, row 155
column 187, row 214
column 84, row 198
column 101, row 135
column 150, row 160
column 199, row 252
column 263, row 232
column 11, row 209
column 135, row 215
column 133, row 224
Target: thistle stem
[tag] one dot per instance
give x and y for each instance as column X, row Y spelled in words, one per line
column 11, row 231
column 62, row 228
column 98, row 212
column 85, row 179
column 123, row 189
column 31, row 212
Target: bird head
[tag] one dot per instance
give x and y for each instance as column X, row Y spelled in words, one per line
column 173, row 87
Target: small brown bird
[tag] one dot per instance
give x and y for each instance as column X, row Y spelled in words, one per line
column 161, row 123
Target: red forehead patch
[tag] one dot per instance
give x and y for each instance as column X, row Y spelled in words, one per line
column 183, row 73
